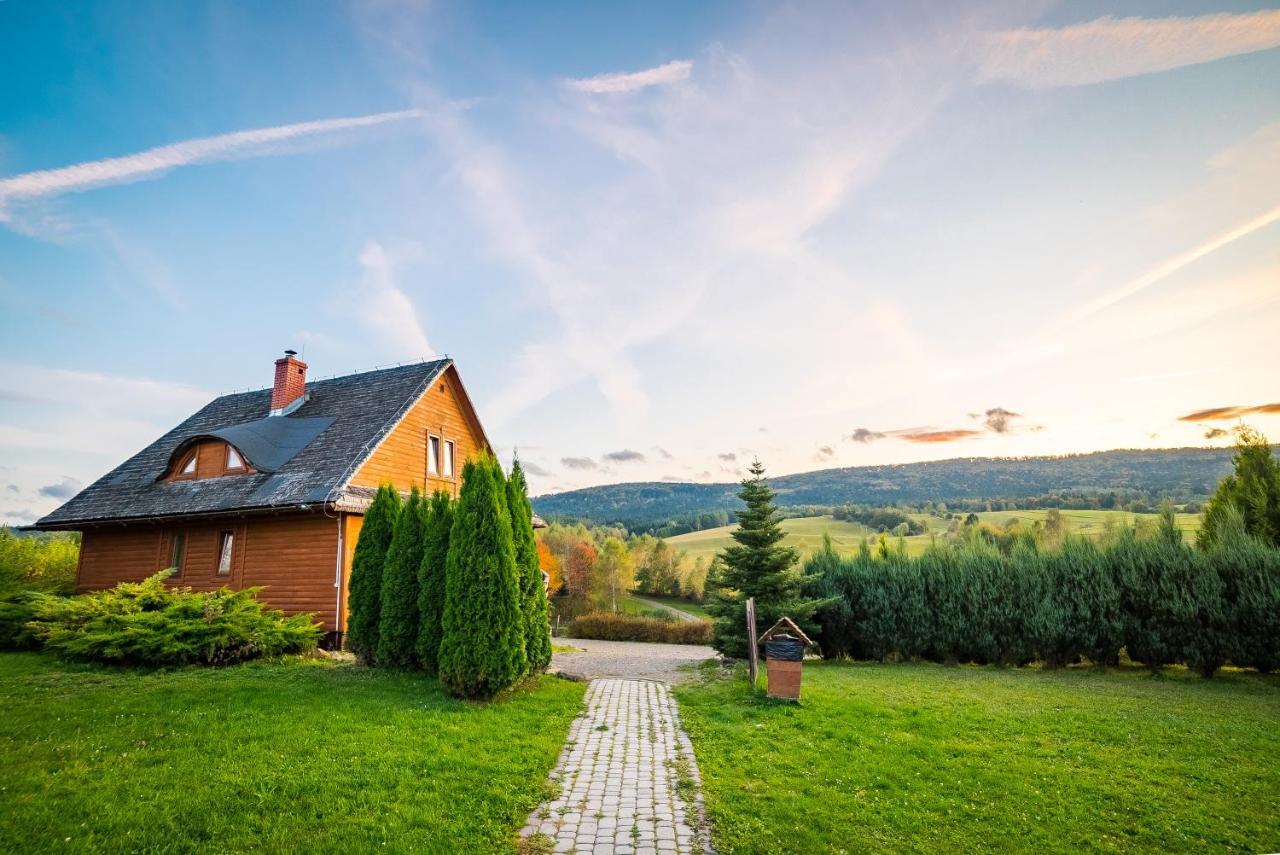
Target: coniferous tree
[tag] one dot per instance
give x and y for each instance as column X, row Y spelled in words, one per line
column 482, row 648
column 398, row 620
column 364, row 588
column 757, row 567
column 536, row 612
column 431, row 579
column 1252, row 490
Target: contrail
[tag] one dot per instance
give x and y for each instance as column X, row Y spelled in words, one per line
column 154, row 161
column 1171, row 266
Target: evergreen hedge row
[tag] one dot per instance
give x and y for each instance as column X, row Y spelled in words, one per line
column 1156, row 598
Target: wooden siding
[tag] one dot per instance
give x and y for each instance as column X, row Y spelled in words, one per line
column 401, row 459
column 293, row 557
column 352, row 523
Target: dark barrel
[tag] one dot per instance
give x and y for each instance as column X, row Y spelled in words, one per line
column 785, row 648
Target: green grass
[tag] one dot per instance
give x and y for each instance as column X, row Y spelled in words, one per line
column 685, row 606
column 294, row 756
column 805, row 533
column 930, row 758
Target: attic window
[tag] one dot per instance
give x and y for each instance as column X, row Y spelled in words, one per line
column 189, row 468
column 234, row 460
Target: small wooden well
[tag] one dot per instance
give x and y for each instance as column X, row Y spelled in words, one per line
column 784, row 647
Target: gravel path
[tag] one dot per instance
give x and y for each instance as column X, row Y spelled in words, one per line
column 630, row 659
column 627, row 778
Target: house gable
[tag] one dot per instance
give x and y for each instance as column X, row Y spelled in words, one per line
column 443, row 411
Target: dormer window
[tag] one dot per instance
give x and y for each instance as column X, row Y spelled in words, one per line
column 234, row 460
column 188, row 469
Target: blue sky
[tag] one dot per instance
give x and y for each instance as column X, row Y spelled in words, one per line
column 658, row 239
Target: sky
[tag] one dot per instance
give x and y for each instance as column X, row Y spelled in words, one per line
column 659, row 239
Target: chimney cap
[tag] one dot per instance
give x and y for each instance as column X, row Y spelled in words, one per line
column 291, row 353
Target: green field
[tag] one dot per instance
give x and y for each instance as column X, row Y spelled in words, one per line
column 929, row 758
column 805, row 533
column 293, row 756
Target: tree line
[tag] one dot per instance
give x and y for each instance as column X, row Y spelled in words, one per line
column 453, row 588
column 1048, row 596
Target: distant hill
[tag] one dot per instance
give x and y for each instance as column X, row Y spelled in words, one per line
column 1182, row 474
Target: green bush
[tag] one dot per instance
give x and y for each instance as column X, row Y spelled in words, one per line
column 1077, row 613
column 482, row 648
column 30, row 564
column 364, row 588
column 536, row 612
column 152, row 623
column 431, row 579
column 615, row 626
column 398, row 612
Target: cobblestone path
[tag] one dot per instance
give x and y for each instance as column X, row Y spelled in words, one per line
column 628, row 780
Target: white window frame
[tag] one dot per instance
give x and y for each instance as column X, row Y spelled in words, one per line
column 433, row 456
column 226, row 552
column 449, row 467
column 240, row 464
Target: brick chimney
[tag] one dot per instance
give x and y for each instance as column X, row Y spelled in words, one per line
column 291, row 381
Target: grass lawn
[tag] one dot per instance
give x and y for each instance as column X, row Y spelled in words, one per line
column 805, row 533
column 294, row 756
column 931, row 758
column 685, row 606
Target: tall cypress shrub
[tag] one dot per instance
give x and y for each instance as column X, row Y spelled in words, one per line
column 364, row 588
column 1153, row 597
column 482, row 648
column 398, row 620
column 829, row 578
column 533, row 592
column 431, row 579
column 1078, row 613
column 1250, row 572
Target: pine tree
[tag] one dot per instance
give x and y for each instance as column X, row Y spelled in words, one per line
column 431, row 579
column 533, row 591
column 1252, row 489
column 482, row 648
column 364, row 588
column 757, row 567
column 398, row 620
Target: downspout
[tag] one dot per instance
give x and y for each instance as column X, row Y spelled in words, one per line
column 337, row 581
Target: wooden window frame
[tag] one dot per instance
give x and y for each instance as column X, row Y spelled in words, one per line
column 191, row 458
column 434, row 446
column 226, row 460
column 226, row 537
column 179, row 543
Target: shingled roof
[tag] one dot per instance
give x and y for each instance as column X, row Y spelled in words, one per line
column 352, row 415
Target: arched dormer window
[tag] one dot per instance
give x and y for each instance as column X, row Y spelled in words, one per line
column 206, row 458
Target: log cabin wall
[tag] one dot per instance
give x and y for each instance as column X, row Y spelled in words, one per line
column 293, row 557
column 401, row 458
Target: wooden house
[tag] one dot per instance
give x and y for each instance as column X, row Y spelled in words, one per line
column 269, row 487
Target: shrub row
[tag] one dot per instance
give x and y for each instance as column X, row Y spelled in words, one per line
column 1156, row 598
column 611, row 626
column 152, row 623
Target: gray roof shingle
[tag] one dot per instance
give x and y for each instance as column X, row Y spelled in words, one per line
column 357, row 411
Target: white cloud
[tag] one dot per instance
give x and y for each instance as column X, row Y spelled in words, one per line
column 1112, row 48
column 156, row 161
column 662, row 75
column 387, row 310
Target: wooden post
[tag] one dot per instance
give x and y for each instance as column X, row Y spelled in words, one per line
column 753, row 654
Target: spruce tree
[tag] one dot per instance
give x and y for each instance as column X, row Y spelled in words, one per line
column 757, row 567
column 431, row 579
column 1252, row 490
column 398, row 621
column 533, row 592
column 482, row 648
column 364, row 588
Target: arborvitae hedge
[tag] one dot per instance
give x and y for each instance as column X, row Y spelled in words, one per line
column 1161, row 600
column 533, row 592
column 431, row 579
column 398, row 616
column 364, row 589
column 482, row 649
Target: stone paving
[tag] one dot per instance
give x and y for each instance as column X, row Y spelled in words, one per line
column 627, row 777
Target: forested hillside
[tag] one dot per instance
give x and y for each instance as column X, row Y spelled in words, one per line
column 1183, row 475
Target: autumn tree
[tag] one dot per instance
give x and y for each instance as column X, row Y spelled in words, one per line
column 615, row 573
